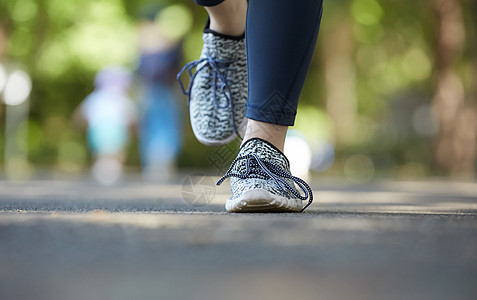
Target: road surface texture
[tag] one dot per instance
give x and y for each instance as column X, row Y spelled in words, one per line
column 72, row 240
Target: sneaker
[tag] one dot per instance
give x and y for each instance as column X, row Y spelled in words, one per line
column 218, row 89
column 260, row 181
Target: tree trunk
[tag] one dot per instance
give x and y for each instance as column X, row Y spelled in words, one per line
column 341, row 80
column 455, row 149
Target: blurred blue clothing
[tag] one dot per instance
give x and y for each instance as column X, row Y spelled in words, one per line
column 108, row 139
column 160, row 67
column 160, row 126
column 160, row 136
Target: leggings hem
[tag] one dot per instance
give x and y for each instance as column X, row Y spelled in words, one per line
column 270, row 116
column 208, row 2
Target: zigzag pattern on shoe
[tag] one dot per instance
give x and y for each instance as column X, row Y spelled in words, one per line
column 260, row 181
column 218, row 89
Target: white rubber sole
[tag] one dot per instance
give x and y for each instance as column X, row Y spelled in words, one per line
column 261, row 201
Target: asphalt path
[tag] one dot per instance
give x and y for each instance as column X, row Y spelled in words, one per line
column 62, row 239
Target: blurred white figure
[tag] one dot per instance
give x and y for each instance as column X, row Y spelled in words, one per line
column 107, row 170
column 298, row 152
column 110, row 114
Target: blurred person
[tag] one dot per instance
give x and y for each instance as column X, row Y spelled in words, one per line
column 110, row 114
column 251, row 90
column 160, row 132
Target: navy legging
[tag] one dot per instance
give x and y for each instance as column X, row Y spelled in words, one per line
column 280, row 40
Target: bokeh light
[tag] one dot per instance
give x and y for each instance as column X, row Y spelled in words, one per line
column 298, row 152
column 175, row 21
column 323, row 156
column 3, row 77
column 367, row 12
column 416, row 64
column 17, row 88
column 107, row 171
column 24, row 10
column 102, row 35
column 398, row 87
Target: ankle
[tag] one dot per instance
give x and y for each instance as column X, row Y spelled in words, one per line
column 228, row 17
column 272, row 133
column 226, row 29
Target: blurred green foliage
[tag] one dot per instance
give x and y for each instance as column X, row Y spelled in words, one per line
column 387, row 58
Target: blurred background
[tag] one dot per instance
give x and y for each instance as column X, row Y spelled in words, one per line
column 391, row 93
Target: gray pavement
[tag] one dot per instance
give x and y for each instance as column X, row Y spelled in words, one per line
column 384, row 240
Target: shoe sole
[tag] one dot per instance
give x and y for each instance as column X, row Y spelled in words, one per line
column 261, row 201
column 208, row 142
column 232, row 137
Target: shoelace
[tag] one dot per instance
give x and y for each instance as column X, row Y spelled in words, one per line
column 218, row 78
column 256, row 167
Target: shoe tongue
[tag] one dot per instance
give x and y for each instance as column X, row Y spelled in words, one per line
column 266, row 151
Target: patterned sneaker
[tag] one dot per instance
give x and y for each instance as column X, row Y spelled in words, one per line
column 218, row 89
column 261, row 181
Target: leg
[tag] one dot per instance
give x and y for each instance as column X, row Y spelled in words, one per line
column 270, row 132
column 218, row 88
column 281, row 37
